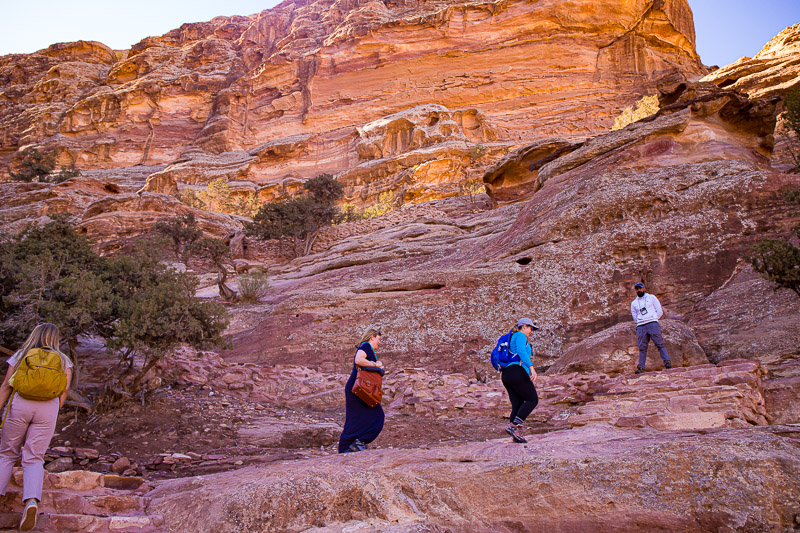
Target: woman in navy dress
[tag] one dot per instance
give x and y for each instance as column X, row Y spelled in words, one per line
column 362, row 423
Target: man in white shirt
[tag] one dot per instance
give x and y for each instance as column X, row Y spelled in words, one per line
column 646, row 310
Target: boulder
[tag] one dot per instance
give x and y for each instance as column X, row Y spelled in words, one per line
column 614, row 351
column 682, row 399
column 746, row 318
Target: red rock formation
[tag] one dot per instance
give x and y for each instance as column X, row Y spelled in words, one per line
column 614, row 351
column 676, row 201
column 589, row 479
column 327, row 86
column 773, row 70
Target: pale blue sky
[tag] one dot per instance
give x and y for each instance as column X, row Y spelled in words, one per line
column 726, row 29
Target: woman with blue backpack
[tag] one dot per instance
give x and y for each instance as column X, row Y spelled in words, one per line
column 34, row 389
column 519, row 376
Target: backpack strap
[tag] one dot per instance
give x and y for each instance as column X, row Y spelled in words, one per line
column 511, row 336
column 8, row 408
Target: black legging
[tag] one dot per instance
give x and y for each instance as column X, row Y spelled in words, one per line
column 521, row 392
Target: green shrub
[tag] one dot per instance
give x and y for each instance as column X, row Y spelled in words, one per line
column 182, row 232
column 387, row 201
column 34, row 166
column 471, row 188
column 253, row 286
column 778, row 260
column 39, row 166
column 142, row 308
column 64, row 174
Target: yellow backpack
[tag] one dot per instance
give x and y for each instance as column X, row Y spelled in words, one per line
column 39, row 375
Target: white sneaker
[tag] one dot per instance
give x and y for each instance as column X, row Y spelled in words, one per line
column 29, row 516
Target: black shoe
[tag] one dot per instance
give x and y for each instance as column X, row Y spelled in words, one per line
column 667, row 364
column 511, row 430
column 639, row 370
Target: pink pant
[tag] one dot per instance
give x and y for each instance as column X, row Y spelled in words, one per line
column 29, row 427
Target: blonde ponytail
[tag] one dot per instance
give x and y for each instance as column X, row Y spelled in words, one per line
column 369, row 333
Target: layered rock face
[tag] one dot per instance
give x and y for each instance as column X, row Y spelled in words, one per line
column 773, row 70
column 376, row 90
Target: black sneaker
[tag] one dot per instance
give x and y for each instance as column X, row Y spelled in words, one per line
column 639, row 370
column 667, row 364
column 511, row 430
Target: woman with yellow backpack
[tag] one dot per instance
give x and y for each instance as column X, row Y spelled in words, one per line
column 33, row 391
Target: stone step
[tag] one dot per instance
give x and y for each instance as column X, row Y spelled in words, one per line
column 84, row 481
column 69, row 523
column 682, row 399
column 65, row 502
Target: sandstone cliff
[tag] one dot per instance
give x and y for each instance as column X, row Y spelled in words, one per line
column 773, row 70
column 376, row 90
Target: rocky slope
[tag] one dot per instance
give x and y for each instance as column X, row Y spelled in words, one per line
column 387, row 93
column 676, row 201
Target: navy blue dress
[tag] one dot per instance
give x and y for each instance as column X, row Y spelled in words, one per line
column 361, row 421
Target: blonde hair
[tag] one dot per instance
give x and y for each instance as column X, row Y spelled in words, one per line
column 45, row 335
column 369, row 333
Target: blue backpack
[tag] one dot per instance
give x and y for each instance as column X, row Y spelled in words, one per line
column 502, row 355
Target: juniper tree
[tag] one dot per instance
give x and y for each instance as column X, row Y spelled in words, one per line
column 299, row 220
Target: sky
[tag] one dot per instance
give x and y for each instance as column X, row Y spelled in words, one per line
column 726, row 29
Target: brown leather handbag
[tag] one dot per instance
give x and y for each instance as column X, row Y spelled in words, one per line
column 369, row 386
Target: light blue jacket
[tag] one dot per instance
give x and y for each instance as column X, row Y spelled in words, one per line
column 519, row 345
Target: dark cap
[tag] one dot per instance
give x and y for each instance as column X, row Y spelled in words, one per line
column 639, row 285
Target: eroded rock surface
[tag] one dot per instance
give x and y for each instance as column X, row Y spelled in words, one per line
column 580, row 480
column 614, row 351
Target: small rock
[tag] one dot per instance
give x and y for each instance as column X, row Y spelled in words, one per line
column 120, row 465
column 123, row 483
column 60, row 450
column 87, row 453
column 62, row 464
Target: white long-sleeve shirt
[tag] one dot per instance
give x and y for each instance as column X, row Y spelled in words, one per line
column 652, row 309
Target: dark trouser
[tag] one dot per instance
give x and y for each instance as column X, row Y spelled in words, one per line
column 521, row 392
column 644, row 333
